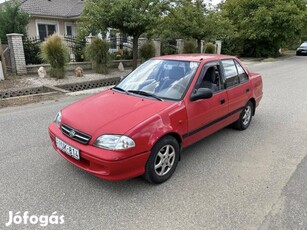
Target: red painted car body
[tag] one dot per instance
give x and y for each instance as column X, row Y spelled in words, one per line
column 146, row 120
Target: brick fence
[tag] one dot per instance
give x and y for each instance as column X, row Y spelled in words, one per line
column 17, row 53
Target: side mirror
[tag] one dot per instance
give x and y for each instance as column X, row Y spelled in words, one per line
column 201, row 93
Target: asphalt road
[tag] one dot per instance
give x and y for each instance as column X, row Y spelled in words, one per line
column 255, row 179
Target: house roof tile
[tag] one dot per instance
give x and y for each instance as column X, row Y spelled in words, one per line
column 53, row 8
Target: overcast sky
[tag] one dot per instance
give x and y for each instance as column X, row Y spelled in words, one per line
column 216, row 1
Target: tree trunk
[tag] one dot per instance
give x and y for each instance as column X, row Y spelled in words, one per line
column 198, row 49
column 135, row 51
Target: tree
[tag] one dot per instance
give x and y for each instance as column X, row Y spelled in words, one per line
column 187, row 18
column 147, row 50
column 132, row 17
column 12, row 19
column 264, row 26
column 192, row 19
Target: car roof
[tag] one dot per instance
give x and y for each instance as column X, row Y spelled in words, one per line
column 195, row 57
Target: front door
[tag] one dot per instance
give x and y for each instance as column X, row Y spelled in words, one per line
column 205, row 116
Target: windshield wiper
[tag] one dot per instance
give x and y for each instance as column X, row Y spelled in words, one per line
column 120, row 89
column 146, row 94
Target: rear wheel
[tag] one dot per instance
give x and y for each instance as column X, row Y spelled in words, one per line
column 162, row 161
column 245, row 117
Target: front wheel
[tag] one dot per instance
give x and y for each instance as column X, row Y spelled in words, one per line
column 162, row 161
column 245, row 117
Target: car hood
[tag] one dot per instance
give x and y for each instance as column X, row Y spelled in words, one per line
column 110, row 112
column 302, row 48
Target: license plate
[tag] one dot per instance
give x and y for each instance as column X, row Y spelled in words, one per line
column 304, row 51
column 68, row 149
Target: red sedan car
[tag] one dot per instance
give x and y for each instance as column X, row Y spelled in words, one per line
column 140, row 126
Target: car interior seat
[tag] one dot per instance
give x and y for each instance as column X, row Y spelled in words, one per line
column 175, row 74
column 210, row 80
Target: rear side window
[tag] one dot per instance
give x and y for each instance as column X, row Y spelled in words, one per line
column 242, row 74
column 233, row 72
column 230, row 73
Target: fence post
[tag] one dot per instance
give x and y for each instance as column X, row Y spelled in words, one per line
column 157, row 43
column 180, row 44
column 2, row 63
column 202, row 47
column 142, row 41
column 17, row 53
column 218, row 44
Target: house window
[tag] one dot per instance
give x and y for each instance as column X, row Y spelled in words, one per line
column 45, row 30
column 69, row 30
column 124, row 38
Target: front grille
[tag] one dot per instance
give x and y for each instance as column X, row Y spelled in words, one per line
column 75, row 134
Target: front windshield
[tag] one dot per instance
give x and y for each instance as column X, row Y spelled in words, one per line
column 166, row 79
column 303, row 45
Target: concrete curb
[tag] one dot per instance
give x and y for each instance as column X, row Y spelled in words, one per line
column 54, row 88
column 57, row 93
column 89, row 91
column 21, row 100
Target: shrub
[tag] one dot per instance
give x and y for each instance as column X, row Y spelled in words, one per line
column 189, row 47
column 232, row 46
column 122, row 54
column 127, row 54
column 210, row 48
column 98, row 53
column 147, row 50
column 54, row 52
column 168, row 46
column 116, row 55
column 32, row 51
column 259, row 49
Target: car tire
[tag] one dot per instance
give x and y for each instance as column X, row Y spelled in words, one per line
column 162, row 161
column 245, row 117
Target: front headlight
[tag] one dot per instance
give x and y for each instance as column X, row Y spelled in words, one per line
column 58, row 119
column 114, row 142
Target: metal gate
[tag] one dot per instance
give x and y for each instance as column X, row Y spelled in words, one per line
column 7, row 58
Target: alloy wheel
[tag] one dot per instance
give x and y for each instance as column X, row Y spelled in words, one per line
column 164, row 160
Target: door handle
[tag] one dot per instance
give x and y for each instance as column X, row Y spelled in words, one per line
column 222, row 101
column 247, row 90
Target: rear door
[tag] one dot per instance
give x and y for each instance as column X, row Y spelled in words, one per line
column 237, row 86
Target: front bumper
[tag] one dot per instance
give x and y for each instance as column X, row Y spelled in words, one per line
column 301, row 52
column 99, row 162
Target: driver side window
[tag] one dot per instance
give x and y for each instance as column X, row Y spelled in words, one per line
column 211, row 78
